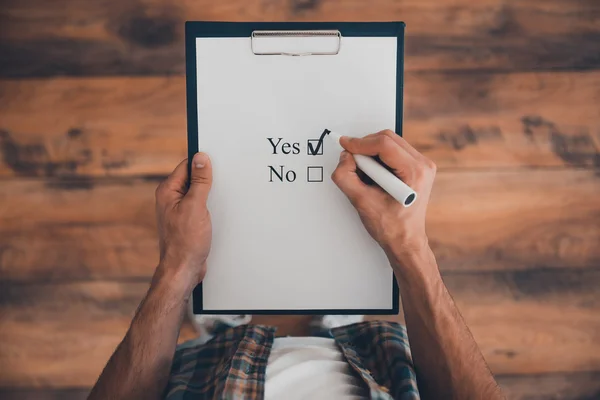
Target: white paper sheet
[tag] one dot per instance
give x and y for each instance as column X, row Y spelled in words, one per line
column 280, row 245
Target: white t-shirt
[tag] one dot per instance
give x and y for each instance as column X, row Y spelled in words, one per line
column 310, row 368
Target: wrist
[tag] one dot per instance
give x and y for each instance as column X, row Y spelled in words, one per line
column 413, row 262
column 176, row 278
column 402, row 253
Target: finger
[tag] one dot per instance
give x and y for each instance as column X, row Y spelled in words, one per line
column 392, row 135
column 402, row 143
column 201, row 179
column 348, row 181
column 386, row 148
column 174, row 187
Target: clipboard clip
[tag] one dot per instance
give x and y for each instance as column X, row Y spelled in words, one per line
column 296, row 43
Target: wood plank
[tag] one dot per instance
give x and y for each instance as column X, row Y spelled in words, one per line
column 574, row 386
column 74, row 329
column 112, row 37
column 137, row 126
column 556, row 386
column 512, row 315
column 13, row 393
column 60, row 335
column 92, row 127
column 94, row 229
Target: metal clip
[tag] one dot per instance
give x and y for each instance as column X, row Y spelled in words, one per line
column 296, row 34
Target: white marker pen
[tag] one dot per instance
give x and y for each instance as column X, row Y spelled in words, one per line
column 384, row 178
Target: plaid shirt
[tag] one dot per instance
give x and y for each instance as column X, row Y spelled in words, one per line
column 233, row 364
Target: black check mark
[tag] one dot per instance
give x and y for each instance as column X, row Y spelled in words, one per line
column 315, row 150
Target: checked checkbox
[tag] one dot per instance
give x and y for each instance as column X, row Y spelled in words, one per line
column 314, row 174
column 314, row 147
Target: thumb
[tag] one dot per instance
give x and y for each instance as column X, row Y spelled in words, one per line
column 201, row 176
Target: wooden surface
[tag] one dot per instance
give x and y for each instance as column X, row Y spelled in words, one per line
column 135, row 125
column 501, row 220
column 145, row 37
column 504, row 95
column 543, row 321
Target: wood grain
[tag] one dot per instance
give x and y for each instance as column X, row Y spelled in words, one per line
column 105, row 229
column 556, row 386
column 61, row 335
column 137, row 126
column 145, row 37
column 14, row 393
column 575, row 386
column 92, row 127
column 502, row 94
column 512, row 315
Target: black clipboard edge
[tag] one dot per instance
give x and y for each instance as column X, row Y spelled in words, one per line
column 194, row 29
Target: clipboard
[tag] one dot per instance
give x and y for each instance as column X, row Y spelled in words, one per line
column 285, row 239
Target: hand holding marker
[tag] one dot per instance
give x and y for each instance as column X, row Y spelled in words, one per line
column 384, row 178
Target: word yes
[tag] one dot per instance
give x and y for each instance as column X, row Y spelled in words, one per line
column 286, row 148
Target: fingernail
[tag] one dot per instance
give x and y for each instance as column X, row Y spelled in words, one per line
column 200, row 160
column 343, row 155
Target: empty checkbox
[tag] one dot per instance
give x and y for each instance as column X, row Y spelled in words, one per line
column 314, row 174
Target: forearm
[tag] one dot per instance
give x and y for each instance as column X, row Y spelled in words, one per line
column 447, row 360
column 140, row 366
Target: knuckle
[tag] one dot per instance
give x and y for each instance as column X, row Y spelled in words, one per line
column 336, row 176
column 200, row 179
column 388, row 132
column 385, row 141
column 159, row 192
column 427, row 166
column 420, row 171
column 431, row 165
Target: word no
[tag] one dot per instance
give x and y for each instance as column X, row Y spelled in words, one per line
column 314, row 173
